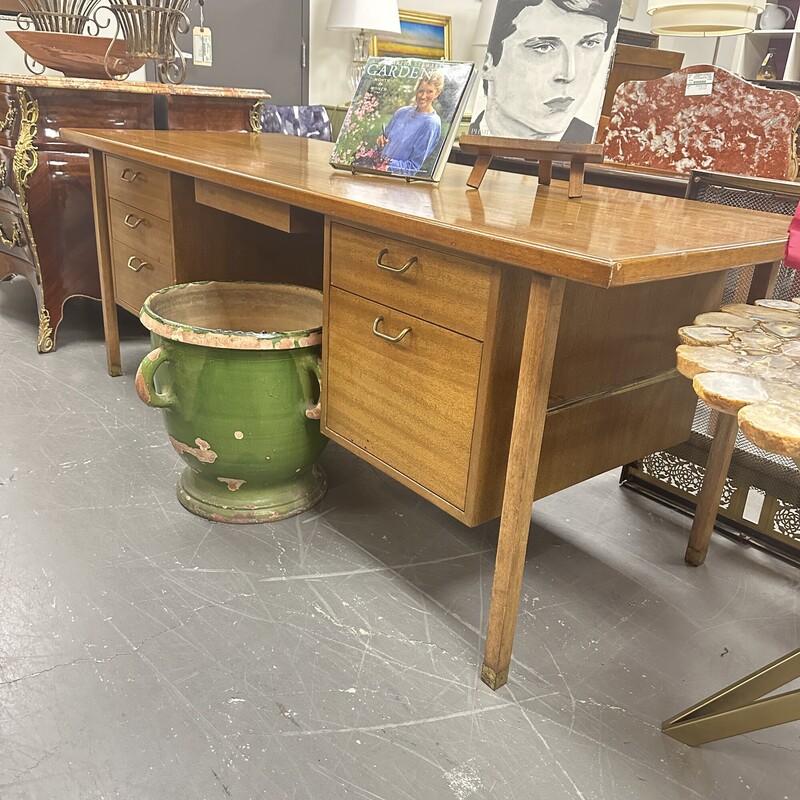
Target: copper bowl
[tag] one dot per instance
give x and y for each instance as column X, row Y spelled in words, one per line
column 75, row 55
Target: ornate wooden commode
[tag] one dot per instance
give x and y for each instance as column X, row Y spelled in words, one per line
column 46, row 221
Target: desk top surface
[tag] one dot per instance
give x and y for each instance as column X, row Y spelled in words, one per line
column 609, row 237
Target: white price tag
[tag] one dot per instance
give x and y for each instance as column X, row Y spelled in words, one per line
column 201, row 51
column 699, row 83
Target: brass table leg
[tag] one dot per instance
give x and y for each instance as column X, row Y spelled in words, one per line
column 737, row 708
column 536, row 367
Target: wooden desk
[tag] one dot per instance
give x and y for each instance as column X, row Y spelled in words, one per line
column 521, row 374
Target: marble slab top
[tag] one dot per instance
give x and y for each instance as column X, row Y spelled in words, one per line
column 133, row 87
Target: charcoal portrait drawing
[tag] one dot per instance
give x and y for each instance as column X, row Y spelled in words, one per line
column 546, row 69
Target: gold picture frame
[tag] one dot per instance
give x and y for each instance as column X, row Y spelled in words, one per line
column 421, row 36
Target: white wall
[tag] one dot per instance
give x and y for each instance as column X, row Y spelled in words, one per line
column 11, row 57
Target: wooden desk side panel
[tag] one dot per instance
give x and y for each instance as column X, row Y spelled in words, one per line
column 610, row 341
column 613, row 338
column 587, row 439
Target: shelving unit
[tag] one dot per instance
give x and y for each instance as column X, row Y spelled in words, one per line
column 751, row 49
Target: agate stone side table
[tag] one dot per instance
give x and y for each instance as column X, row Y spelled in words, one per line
column 744, row 362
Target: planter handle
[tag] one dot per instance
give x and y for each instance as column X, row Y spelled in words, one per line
column 145, row 387
column 314, row 365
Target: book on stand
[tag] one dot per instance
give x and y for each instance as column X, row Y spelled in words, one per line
column 404, row 117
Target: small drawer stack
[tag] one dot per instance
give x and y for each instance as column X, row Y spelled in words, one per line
column 404, row 315
column 140, row 222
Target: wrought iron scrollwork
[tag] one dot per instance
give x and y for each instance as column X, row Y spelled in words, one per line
column 150, row 32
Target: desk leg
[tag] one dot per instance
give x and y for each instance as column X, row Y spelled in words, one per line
column 110, row 324
column 536, row 367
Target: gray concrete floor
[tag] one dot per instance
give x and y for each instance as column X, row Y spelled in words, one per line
column 147, row 654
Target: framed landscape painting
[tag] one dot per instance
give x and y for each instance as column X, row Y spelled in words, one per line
column 421, row 36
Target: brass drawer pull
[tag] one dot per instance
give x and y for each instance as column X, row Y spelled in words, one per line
column 397, row 270
column 132, row 221
column 138, row 268
column 385, row 336
column 129, row 175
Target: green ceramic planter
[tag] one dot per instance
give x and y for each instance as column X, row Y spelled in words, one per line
column 236, row 370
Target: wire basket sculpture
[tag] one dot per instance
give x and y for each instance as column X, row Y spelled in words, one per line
column 149, row 28
column 59, row 16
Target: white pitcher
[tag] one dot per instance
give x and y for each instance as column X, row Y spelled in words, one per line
column 774, row 17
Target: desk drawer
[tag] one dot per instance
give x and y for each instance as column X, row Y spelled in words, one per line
column 448, row 291
column 141, row 230
column 410, row 403
column 137, row 276
column 146, row 188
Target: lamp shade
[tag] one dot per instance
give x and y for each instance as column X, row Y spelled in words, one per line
column 380, row 16
column 484, row 25
column 704, row 17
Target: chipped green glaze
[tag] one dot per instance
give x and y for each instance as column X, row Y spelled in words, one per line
column 236, row 371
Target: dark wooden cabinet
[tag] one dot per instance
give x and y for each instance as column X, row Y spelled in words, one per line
column 633, row 63
column 47, row 229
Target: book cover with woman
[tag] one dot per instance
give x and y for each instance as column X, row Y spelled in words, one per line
column 403, row 117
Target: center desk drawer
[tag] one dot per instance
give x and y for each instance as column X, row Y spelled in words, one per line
column 141, row 230
column 145, row 187
column 443, row 289
column 409, row 403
